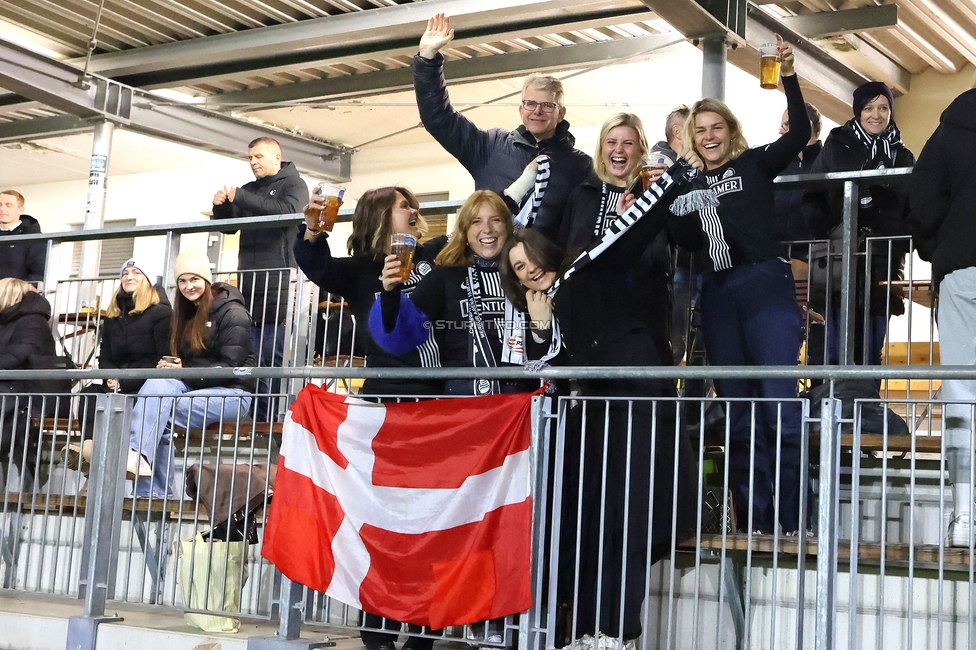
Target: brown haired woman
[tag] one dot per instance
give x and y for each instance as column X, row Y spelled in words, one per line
column 211, row 329
column 379, row 214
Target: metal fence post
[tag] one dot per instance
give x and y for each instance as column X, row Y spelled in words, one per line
column 830, row 412
column 848, row 289
column 291, row 610
column 103, row 515
column 531, row 630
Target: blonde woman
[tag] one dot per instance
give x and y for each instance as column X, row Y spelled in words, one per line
column 26, row 343
column 135, row 334
column 748, row 303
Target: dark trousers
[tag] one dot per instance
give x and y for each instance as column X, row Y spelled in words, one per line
column 269, row 351
column 750, row 318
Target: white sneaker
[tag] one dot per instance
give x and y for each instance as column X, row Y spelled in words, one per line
column 78, row 456
column 960, row 531
column 585, row 642
column 136, row 466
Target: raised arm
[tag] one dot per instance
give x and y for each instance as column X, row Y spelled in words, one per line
column 456, row 133
column 314, row 258
column 777, row 155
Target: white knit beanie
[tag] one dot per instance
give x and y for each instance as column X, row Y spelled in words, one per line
column 195, row 261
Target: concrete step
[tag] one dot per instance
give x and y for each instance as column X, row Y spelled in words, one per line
column 31, row 621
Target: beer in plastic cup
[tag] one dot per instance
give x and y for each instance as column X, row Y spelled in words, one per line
column 403, row 246
column 648, row 164
column 332, row 196
column 768, row 66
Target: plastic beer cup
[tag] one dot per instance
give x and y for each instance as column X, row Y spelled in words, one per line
column 332, row 196
column 403, row 246
column 768, row 66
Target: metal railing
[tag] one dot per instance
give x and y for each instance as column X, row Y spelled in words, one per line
column 877, row 513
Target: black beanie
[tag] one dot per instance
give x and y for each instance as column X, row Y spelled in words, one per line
column 867, row 92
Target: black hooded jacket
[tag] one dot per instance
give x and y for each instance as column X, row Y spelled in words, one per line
column 24, row 261
column 496, row 157
column 942, row 218
column 26, row 343
column 135, row 340
column 267, row 248
column 228, row 344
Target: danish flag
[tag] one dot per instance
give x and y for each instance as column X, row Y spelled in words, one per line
column 417, row 511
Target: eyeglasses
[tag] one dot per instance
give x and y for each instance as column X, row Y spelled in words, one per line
column 530, row 105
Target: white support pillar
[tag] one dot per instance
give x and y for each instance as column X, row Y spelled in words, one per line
column 97, row 188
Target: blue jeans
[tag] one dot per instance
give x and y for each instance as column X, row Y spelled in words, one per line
column 158, row 410
column 269, row 352
column 750, row 318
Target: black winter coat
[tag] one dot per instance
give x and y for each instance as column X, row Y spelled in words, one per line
column 942, row 219
column 648, row 279
column 791, row 216
column 26, row 343
column 600, row 321
column 24, row 261
column 135, row 340
column 267, row 248
column 496, row 157
column 885, row 217
column 356, row 279
column 228, row 344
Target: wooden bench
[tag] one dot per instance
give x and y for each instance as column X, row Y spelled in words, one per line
column 922, row 556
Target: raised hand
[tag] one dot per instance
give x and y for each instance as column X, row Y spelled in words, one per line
column 785, row 51
column 437, row 36
column 313, row 211
column 690, row 156
column 539, row 306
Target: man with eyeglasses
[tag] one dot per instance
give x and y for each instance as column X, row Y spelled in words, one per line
column 497, row 158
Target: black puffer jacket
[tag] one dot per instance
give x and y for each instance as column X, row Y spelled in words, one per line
column 229, row 344
column 943, row 192
column 135, row 340
column 26, row 343
column 884, row 217
column 26, row 260
column 496, row 157
column 267, row 248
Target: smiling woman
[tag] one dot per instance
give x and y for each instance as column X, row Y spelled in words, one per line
column 460, row 304
column 748, row 305
column 593, row 206
column 379, row 214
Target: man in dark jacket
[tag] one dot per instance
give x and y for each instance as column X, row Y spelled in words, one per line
column 23, row 261
column 276, row 189
column 790, row 216
column 497, row 157
column 942, row 220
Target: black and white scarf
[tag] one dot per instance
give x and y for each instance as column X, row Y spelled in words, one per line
column 680, row 175
column 881, row 146
column 530, row 209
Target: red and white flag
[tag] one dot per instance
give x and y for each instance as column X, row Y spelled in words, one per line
column 418, row 511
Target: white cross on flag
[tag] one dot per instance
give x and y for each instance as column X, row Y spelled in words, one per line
column 418, row 511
